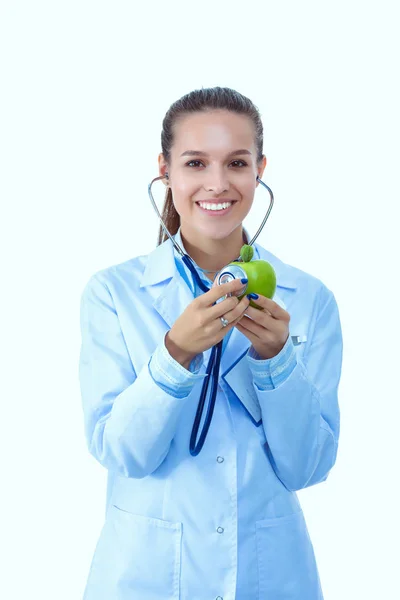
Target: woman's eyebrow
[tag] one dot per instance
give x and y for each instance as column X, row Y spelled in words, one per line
column 200, row 153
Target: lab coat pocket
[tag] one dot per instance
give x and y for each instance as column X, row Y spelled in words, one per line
column 136, row 555
column 286, row 561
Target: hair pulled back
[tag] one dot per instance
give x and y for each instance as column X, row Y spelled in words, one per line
column 204, row 99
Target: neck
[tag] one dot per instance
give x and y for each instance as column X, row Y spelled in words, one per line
column 213, row 254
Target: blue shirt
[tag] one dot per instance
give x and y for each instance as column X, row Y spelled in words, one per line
column 173, row 378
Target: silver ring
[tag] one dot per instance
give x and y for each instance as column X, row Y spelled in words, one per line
column 224, row 322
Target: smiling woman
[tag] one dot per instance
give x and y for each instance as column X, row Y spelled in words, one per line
column 225, row 148
column 226, row 522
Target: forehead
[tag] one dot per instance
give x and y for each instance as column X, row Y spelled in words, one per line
column 213, row 132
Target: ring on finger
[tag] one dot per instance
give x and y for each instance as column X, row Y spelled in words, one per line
column 224, row 321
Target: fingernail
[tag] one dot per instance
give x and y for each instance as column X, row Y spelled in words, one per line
column 244, row 280
column 252, row 296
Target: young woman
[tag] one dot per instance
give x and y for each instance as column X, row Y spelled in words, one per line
column 226, row 523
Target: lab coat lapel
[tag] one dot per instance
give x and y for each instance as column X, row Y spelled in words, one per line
column 236, row 371
column 170, row 298
column 173, row 300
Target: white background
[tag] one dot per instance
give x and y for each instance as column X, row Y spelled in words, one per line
column 85, row 86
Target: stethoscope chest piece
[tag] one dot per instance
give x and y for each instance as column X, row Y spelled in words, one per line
column 227, row 274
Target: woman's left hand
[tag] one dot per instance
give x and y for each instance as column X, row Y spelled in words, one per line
column 267, row 328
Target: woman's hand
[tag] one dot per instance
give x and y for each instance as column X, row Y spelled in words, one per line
column 267, row 328
column 199, row 327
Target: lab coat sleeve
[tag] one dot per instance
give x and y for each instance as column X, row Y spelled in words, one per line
column 271, row 372
column 172, row 376
column 301, row 416
column 129, row 420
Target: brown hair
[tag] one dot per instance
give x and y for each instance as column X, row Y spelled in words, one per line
column 204, row 99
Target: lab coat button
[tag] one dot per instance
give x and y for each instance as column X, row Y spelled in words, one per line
column 220, row 459
column 220, row 530
column 219, row 598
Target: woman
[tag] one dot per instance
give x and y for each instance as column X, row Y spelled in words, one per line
column 225, row 524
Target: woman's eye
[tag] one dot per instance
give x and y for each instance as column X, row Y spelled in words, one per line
column 242, row 163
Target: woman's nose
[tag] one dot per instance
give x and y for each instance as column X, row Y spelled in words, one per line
column 217, row 181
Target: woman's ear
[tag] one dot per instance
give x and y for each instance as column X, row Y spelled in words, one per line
column 163, row 169
column 261, row 167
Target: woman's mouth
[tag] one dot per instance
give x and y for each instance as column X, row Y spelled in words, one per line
column 213, row 209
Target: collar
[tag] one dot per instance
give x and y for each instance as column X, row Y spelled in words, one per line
column 161, row 264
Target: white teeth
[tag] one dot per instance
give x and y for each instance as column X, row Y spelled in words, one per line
column 209, row 206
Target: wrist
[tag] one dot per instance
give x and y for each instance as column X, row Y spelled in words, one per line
column 182, row 357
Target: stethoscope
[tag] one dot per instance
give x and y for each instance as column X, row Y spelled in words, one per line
column 215, row 357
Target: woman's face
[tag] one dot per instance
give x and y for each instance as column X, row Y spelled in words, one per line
column 213, row 158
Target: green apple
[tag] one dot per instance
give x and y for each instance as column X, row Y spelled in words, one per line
column 260, row 273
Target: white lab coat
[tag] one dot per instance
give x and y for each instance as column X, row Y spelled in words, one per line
column 226, row 524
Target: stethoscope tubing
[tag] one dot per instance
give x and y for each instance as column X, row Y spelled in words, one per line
column 213, row 366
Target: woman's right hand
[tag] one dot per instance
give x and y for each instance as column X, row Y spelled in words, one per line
column 199, row 327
